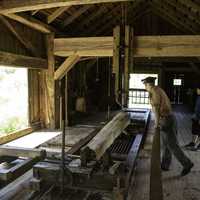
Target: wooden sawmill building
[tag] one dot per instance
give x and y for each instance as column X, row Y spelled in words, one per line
column 75, row 118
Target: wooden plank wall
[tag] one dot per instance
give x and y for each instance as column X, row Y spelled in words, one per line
column 9, row 43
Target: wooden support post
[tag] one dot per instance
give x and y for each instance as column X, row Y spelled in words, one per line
column 128, row 60
column 48, row 87
column 116, row 63
column 66, row 66
column 122, row 62
column 126, row 64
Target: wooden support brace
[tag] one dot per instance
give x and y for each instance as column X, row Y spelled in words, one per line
column 66, row 66
column 31, row 22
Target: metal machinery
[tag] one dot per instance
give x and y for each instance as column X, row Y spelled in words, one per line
column 14, row 162
column 112, row 173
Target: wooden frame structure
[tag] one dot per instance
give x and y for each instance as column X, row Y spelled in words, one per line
column 94, row 16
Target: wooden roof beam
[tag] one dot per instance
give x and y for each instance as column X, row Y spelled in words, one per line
column 189, row 3
column 15, row 60
column 138, row 12
column 14, row 6
column 168, row 10
column 183, row 9
column 93, row 16
column 171, row 20
column 104, row 20
column 176, row 16
column 34, row 12
column 79, row 12
column 134, row 17
column 56, row 14
column 134, row 7
column 91, row 46
column 145, row 46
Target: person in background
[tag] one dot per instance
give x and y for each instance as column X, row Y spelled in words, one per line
column 166, row 122
column 195, row 143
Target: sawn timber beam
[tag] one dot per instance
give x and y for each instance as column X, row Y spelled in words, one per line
column 145, row 46
column 16, row 60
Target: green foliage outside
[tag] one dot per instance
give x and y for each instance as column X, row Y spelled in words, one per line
column 13, row 99
column 13, row 124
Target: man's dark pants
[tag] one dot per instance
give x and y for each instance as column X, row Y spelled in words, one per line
column 170, row 143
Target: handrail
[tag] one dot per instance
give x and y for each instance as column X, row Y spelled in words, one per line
column 156, row 190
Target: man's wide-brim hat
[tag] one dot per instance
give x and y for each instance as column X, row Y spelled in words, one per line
column 149, row 79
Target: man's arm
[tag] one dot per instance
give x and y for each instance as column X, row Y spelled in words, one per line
column 155, row 102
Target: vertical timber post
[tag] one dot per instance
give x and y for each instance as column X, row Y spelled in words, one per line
column 49, row 85
column 128, row 60
column 122, row 62
column 116, row 60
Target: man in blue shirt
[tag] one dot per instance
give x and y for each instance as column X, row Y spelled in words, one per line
column 195, row 143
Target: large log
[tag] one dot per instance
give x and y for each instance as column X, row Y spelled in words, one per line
column 105, row 138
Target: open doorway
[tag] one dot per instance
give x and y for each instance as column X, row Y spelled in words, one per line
column 13, row 99
column 138, row 96
column 177, row 88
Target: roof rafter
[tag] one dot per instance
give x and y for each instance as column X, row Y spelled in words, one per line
column 79, row 12
column 194, row 6
column 104, row 20
column 171, row 20
column 14, row 6
column 176, row 16
column 184, row 10
column 56, row 14
column 93, row 16
column 139, row 12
